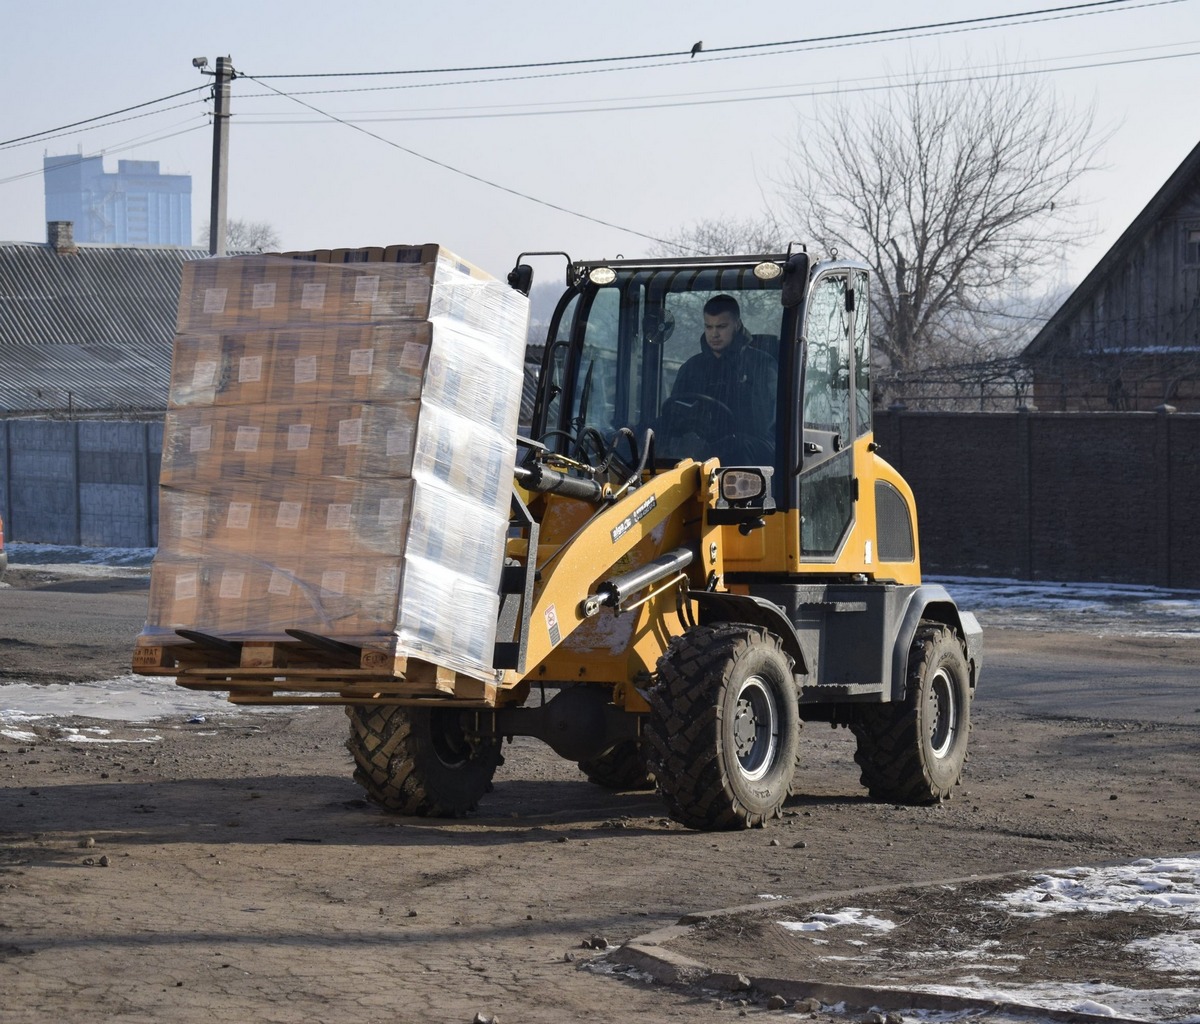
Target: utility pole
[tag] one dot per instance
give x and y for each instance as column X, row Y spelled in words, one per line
column 220, row 158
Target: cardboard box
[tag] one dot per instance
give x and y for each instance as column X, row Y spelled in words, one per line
column 357, row 518
column 294, row 435
column 246, row 359
column 339, row 449
column 283, row 519
column 369, row 439
column 183, row 517
column 209, row 297
column 246, row 450
column 177, row 591
column 355, row 599
column 383, row 363
column 301, row 366
column 367, row 254
column 235, row 521
column 193, row 441
column 196, row 369
column 446, row 619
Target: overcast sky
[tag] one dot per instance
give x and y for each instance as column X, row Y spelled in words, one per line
column 647, row 145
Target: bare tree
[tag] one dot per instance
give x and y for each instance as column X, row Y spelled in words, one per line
column 245, row 235
column 957, row 192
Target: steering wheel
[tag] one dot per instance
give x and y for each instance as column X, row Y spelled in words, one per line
column 696, row 413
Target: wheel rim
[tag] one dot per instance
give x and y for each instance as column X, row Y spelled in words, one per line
column 755, row 728
column 449, row 741
column 943, row 713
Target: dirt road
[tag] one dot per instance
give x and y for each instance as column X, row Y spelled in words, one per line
column 229, row 869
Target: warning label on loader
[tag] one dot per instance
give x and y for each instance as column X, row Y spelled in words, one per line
column 552, row 626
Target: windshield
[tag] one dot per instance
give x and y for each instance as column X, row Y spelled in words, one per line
column 691, row 352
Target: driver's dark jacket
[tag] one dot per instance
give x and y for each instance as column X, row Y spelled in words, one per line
column 742, row 378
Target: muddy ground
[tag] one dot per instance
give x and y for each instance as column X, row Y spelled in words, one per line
column 229, row 868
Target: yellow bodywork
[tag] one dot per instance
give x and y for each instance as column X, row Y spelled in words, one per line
column 619, row 648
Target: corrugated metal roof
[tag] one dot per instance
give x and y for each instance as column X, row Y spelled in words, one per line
column 90, row 331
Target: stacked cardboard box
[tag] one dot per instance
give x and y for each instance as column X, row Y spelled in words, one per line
column 338, row 452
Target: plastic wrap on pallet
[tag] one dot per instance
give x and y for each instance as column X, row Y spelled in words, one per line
column 454, row 532
column 476, row 374
column 465, row 458
column 446, row 618
column 338, row 452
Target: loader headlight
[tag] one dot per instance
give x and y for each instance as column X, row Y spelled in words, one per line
column 743, row 495
column 742, row 484
column 602, row 275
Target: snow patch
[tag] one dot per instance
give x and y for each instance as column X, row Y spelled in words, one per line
column 849, row 916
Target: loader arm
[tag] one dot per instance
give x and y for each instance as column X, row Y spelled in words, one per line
column 570, row 575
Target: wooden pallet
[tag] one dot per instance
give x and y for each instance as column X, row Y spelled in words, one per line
column 307, row 669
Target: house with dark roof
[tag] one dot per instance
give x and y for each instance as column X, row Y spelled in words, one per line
column 86, row 330
column 1128, row 338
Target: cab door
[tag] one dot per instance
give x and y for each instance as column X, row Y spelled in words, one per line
column 827, row 485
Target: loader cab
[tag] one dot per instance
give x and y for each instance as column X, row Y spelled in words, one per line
column 623, row 335
column 622, row 355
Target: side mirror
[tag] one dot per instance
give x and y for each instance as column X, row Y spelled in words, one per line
column 521, row 278
column 795, row 280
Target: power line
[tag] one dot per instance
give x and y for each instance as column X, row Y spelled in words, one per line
column 840, row 88
column 120, row 148
column 995, row 18
column 101, row 117
column 913, row 34
column 848, row 38
column 458, row 170
column 563, row 103
column 106, row 124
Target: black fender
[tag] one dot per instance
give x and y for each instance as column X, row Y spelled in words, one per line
column 931, row 601
column 757, row 611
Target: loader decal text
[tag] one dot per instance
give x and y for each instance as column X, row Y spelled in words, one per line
column 552, row 626
column 634, row 517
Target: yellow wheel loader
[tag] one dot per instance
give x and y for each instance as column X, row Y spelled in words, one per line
column 705, row 550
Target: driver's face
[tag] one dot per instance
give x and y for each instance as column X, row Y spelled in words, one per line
column 719, row 331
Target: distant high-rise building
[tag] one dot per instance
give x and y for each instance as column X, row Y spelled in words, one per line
column 135, row 206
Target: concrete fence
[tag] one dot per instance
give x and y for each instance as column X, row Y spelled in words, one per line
column 93, row 483
column 1105, row 497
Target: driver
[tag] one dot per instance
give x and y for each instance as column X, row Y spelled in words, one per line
column 729, row 370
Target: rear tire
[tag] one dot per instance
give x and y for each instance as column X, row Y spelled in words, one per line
column 913, row 752
column 724, row 727
column 420, row 761
column 621, row 768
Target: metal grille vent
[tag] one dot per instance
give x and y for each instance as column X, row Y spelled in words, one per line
column 894, row 524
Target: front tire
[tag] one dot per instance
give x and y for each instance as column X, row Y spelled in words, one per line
column 724, row 728
column 421, row 761
column 914, row 752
